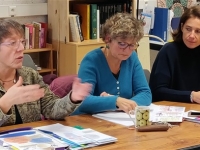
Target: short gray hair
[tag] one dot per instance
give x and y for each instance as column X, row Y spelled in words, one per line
column 8, row 27
column 123, row 25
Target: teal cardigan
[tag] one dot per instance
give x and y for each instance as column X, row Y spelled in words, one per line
column 131, row 83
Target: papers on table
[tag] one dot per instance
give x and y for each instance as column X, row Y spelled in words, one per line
column 84, row 138
column 28, row 140
column 58, row 135
column 166, row 113
column 116, row 117
column 157, row 113
column 191, row 119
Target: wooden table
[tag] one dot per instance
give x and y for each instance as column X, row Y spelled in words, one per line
column 187, row 134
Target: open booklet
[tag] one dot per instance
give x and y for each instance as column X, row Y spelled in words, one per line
column 158, row 113
column 29, row 140
column 60, row 137
column 83, row 138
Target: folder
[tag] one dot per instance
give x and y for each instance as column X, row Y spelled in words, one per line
column 161, row 23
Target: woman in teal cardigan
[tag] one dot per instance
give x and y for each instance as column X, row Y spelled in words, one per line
column 114, row 71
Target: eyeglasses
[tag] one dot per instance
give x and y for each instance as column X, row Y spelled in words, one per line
column 124, row 45
column 15, row 44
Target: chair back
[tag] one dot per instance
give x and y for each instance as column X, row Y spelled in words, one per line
column 28, row 62
column 143, row 51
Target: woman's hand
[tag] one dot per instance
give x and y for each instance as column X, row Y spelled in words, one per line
column 196, row 97
column 19, row 94
column 105, row 94
column 80, row 90
column 126, row 104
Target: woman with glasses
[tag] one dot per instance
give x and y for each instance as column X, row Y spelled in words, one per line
column 175, row 74
column 114, row 70
column 24, row 97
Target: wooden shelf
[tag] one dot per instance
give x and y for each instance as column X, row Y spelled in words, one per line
column 36, row 50
column 46, row 70
column 88, row 42
column 48, row 48
column 45, row 58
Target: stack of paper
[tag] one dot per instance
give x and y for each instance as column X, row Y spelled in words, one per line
column 60, row 137
column 161, row 113
column 116, row 117
column 158, row 113
column 98, row 138
column 83, row 138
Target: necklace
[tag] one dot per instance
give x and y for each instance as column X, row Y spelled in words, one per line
column 3, row 82
column 13, row 80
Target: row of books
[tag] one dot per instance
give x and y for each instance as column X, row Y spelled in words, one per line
column 86, row 20
column 35, row 34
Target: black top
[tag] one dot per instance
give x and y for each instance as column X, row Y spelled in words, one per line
column 18, row 117
column 175, row 73
column 116, row 75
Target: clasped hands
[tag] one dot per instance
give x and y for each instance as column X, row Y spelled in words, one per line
column 124, row 104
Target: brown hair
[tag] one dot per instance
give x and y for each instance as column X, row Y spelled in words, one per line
column 8, row 27
column 122, row 25
column 192, row 12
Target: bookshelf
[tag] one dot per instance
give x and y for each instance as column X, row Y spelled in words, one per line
column 45, row 59
column 70, row 54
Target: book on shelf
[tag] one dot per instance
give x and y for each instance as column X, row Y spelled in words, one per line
column 37, row 37
column 30, row 37
column 93, row 15
column 93, row 21
column 35, row 34
column 44, row 30
column 84, row 12
column 27, row 37
column 75, row 29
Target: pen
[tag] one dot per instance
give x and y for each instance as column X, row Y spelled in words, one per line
column 15, row 134
column 15, row 130
column 70, row 143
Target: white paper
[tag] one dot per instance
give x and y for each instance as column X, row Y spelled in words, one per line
column 167, row 113
column 67, row 132
column 87, row 137
column 96, row 136
column 157, row 113
column 116, row 117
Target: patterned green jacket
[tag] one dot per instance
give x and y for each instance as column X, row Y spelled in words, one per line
column 50, row 106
